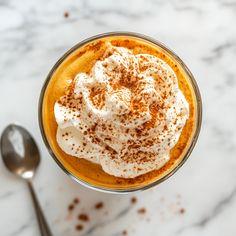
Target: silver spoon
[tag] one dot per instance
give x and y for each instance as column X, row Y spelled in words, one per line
column 21, row 156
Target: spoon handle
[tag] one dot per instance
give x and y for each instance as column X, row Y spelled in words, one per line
column 44, row 229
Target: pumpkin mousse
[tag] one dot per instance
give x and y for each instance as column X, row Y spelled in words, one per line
column 119, row 112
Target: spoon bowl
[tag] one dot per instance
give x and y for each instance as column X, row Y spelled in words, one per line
column 19, row 151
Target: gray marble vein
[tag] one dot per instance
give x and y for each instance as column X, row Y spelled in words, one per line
column 6, row 195
column 20, row 230
column 219, row 50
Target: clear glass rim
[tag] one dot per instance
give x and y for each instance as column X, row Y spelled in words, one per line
column 193, row 83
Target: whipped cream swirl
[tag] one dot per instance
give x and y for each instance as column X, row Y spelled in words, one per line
column 126, row 114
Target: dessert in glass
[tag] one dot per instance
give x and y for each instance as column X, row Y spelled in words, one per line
column 120, row 112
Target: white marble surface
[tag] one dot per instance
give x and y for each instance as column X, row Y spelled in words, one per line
column 34, row 34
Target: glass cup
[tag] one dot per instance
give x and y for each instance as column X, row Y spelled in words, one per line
column 195, row 93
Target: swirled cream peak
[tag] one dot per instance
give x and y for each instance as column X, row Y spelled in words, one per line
column 126, row 114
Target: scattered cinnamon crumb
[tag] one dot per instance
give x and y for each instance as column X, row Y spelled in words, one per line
column 124, row 232
column 79, row 227
column 133, row 200
column 182, row 211
column 142, row 210
column 66, row 14
column 83, row 217
column 71, row 207
column 76, row 200
column 99, row 205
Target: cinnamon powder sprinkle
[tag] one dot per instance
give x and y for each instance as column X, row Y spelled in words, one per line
column 76, row 200
column 71, row 207
column 99, row 205
column 79, row 227
column 142, row 210
column 66, row 14
column 133, row 200
column 182, row 211
column 83, row 217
